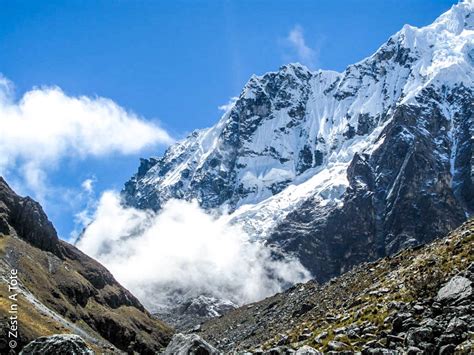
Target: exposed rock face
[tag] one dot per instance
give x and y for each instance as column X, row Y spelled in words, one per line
column 63, row 289
column 28, row 218
column 58, row 344
column 189, row 313
column 339, row 168
column 458, row 288
column 419, row 301
column 190, row 344
column 398, row 196
column 307, row 350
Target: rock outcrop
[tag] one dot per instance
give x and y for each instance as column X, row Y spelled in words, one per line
column 190, row 344
column 457, row 289
column 27, row 218
column 58, row 344
column 187, row 315
column 63, row 290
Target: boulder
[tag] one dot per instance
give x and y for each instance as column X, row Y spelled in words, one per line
column 379, row 351
column 279, row 350
column 304, row 336
column 284, row 340
column 337, row 346
column 416, row 336
column 397, row 323
column 431, row 323
column 446, row 339
column 413, row 350
column 318, row 339
column 447, row 349
column 189, row 344
column 456, row 326
column 307, row 350
column 58, row 344
column 458, row 288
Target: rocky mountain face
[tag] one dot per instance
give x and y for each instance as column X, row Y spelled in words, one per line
column 61, row 290
column 339, row 168
column 188, row 312
column 419, row 301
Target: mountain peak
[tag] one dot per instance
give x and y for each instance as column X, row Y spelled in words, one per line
column 294, row 68
column 290, row 123
column 458, row 18
column 395, row 123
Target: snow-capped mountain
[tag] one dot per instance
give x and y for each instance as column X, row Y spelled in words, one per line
column 339, row 168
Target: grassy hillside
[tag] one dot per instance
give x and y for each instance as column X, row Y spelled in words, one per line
column 64, row 291
column 360, row 309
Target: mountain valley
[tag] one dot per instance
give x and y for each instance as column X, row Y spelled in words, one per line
column 325, row 212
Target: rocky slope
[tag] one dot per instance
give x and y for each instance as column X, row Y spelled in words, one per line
column 57, row 344
column 189, row 312
column 339, row 168
column 419, row 301
column 61, row 290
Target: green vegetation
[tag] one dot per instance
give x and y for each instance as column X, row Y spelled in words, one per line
column 362, row 297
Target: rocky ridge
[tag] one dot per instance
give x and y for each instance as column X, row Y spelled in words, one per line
column 61, row 290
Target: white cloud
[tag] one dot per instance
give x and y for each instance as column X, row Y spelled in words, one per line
column 88, row 185
column 89, row 202
column 183, row 251
column 46, row 126
column 226, row 107
column 305, row 54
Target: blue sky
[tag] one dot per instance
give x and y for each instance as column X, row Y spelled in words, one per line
column 172, row 63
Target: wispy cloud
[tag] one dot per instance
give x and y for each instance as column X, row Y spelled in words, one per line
column 84, row 217
column 226, row 107
column 88, row 185
column 297, row 43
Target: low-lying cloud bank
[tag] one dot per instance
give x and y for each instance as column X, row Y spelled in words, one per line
column 183, row 252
